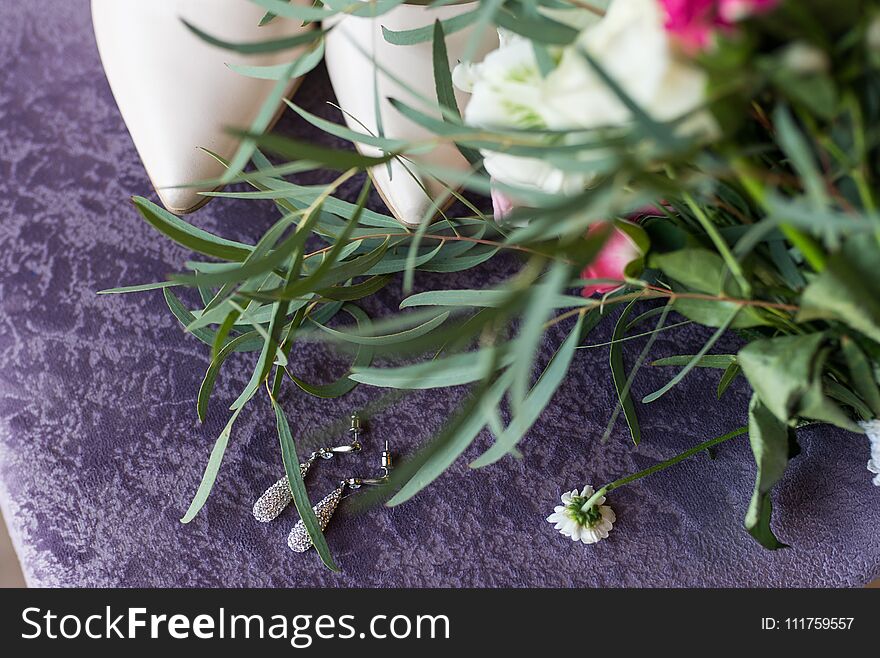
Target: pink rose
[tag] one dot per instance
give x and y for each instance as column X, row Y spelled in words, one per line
column 617, row 252
column 695, row 22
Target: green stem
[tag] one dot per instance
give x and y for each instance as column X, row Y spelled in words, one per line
column 731, row 261
column 811, row 249
column 807, row 246
column 711, row 443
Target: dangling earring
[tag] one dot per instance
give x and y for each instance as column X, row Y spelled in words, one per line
column 298, row 540
column 277, row 497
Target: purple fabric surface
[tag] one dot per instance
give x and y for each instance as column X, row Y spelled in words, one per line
column 100, row 449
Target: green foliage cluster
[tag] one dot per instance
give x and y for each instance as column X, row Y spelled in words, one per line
column 771, row 231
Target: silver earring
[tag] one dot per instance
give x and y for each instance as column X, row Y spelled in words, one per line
column 298, row 540
column 277, row 497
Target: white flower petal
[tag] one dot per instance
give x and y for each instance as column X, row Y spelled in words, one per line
column 872, row 431
column 566, row 523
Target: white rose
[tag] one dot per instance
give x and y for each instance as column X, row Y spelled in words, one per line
column 631, row 45
column 532, row 174
column 505, row 87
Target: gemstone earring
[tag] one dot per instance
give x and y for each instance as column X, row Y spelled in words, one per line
column 298, row 540
column 277, row 497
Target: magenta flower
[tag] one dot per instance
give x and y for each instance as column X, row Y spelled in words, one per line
column 694, row 23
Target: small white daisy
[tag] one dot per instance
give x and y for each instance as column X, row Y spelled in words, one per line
column 586, row 525
column 872, row 430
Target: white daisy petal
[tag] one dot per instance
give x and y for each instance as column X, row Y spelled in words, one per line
column 872, row 431
column 579, row 523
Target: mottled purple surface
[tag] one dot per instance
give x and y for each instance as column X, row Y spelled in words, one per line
column 100, row 449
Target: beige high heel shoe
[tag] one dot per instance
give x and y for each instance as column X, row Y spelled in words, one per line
column 351, row 45
column 176, row 92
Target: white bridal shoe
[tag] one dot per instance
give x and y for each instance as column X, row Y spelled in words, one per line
column 175, row 92
column 351, row 45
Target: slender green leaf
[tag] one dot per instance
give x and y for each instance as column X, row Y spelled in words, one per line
column 618, row 374
column 455, row 370
column 298, row 488
column 362, row 359
column 730, row 374
column 454, row 439
column 387, row 339
column 536, row 401
column 720, row 361
column 138, row 288
column 211, row 471
column 189, row 236
column 692, row 364
column 257, row 47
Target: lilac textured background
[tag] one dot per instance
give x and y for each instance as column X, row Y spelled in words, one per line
column 100, row 449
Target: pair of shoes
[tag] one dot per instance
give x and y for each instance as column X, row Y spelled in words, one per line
column 176, row 93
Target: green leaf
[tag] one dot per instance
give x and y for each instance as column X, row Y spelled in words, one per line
column 356, row 291
column 618, row 374
column 298, row 488
column 480, row 298
column 455, row 370
column 302, row 66
column 455, row 438
column 705, row 272
column 721, row 361
column 539, row 310
column 189, row 236
column 401, row 263
column 264, row 362
column 257, row 47
column 484, row 299
column 846, row 290
column 210, row 378
column 730, row 374
column 186, row 318
column 325, row 276
column 692, row 364
column 262, row 260
column 786, row 374
column 443, row 75
column 862, row 373
column 387, row 339
column 700, row 270
column 296, row 11
column 425, row 33
column 536, row 27
column 343, row 132
column 211, row 470
column 138, row 288
column 537, row 400
column 461, row 263
column 486, row 11
column 716, row 313
column 329, row 158
column 798, row 151
column 772, row 444
column 223, row 332
column 362, row 359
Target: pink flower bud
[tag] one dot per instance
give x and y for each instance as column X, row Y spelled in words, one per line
column 618, row 252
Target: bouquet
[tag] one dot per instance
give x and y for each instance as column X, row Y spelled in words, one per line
column 651, row 162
